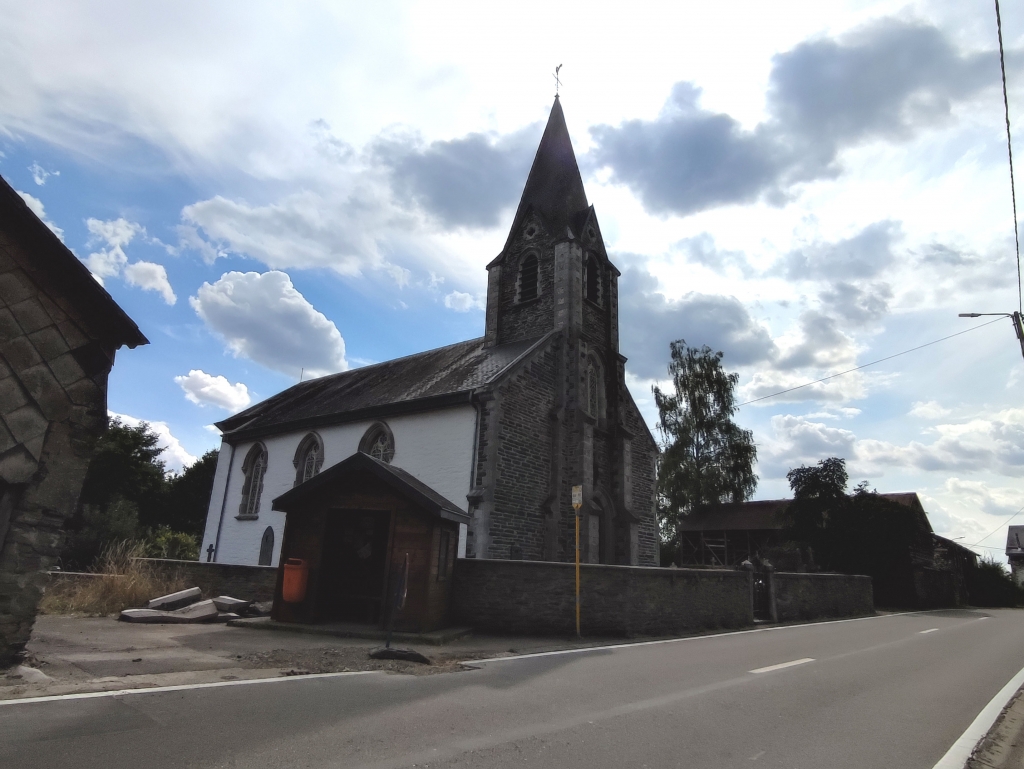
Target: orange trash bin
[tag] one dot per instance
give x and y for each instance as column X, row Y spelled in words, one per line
column 296, row 574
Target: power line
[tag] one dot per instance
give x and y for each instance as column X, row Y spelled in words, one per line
column 1009, row 152
column 997, row 528
column 872, row 363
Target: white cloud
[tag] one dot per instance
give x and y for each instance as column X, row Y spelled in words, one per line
column 263, row 317
column 40, row 174
column 202, row 389
column 462, row 302
column 928, row 410
column 36, row 206
column 151, row 277
column 111, row 261
column 174, row 455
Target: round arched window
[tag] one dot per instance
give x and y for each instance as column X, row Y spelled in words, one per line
column 379, row 443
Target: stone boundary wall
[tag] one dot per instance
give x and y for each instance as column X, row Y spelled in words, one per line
column 537, row 597
column 817, row 596
column 250, row 583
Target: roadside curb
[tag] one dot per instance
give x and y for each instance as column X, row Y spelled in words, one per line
column 1003, row 746
column 435, row 638
column 985, row 724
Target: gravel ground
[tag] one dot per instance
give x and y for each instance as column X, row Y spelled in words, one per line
column 344, row 659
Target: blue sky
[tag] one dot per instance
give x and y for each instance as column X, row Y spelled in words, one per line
column 805, row 186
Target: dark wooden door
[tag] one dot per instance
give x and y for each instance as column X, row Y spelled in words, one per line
column 354, row 560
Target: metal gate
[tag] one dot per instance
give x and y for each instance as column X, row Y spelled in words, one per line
column 762, row 596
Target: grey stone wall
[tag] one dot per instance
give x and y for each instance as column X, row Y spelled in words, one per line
column 535, row 317
column 818, row 596
column 249, row 583
column 529, row 597
column 52, row 409
column 523, row 460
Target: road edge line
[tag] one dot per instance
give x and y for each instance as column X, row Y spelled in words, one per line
column 583, row 649
column 177, row 687
column 960, row 752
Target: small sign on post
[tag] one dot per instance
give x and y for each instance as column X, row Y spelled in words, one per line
column 577, row 503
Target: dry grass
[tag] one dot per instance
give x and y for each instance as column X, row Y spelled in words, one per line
column 122, row 581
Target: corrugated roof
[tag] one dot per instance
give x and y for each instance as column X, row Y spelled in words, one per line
column 404, row 382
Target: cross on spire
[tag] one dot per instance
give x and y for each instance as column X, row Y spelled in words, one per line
column 557, row 81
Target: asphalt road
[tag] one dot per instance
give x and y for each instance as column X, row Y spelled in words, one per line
column 891, row 691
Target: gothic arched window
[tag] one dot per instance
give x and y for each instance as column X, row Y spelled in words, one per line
column 267, row 547
column 379, row 443
column 253, row 469
column 309, row 458
column 593, row 389
column 528, row 279
column 592, row 279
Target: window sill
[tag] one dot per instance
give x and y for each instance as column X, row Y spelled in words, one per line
column 247, row 517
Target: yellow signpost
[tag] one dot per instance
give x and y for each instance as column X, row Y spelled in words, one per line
column 577, row 503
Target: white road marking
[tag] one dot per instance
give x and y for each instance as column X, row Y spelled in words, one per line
column 956, row 757
column 636, row 644
column 782, row 665
column 929, row 630
column 178, row 687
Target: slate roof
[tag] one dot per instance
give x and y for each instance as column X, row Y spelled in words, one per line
column 1015, row 540
column 554, row 188
column 404, row 484
column 445, row 376
column 58, row 271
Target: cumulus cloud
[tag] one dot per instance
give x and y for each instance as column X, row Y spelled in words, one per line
column 462, row 302
column 701, row 249
column 888, row 80
column 263, row 317
column 174, row 455
column 305, row 229
column 35, row 205
column 111, row 261
column 205, row 389
column 464, row 182
column 648, row 321
column 863, row 255
column 150, row 277
column 928, row 410
column 856, row 305
column 40, row 174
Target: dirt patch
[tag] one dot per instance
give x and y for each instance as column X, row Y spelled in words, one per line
column 345, row 659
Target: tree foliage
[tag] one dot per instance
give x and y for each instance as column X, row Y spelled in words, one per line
column 858, row 533
column 707, row 459
column 128, row 495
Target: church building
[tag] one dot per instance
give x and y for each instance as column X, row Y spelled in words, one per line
column 489, row 434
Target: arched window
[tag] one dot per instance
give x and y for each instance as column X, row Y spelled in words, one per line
column 379, row 443
column 593, row 389
column 592, row 279
column 253, row 468
column 309, row 457
column 267, row 547
column 528, row 279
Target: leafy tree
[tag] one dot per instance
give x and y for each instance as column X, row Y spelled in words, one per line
column 859, row 533
column 127, row 495
column 188, row 495
column 706, row 458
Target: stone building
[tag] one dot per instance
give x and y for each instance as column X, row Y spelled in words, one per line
column 59, row 330
column 501, row 426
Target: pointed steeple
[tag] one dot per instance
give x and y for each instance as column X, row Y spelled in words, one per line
column 554, row 188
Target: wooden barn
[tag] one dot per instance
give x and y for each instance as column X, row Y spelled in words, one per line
column 352, row 527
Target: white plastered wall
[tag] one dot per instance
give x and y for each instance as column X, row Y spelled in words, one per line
column 435, row 446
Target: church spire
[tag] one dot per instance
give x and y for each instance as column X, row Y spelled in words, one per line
column 554, row 188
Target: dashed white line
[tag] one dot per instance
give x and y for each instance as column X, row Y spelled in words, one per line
column 929, row 630
column 782, row 665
